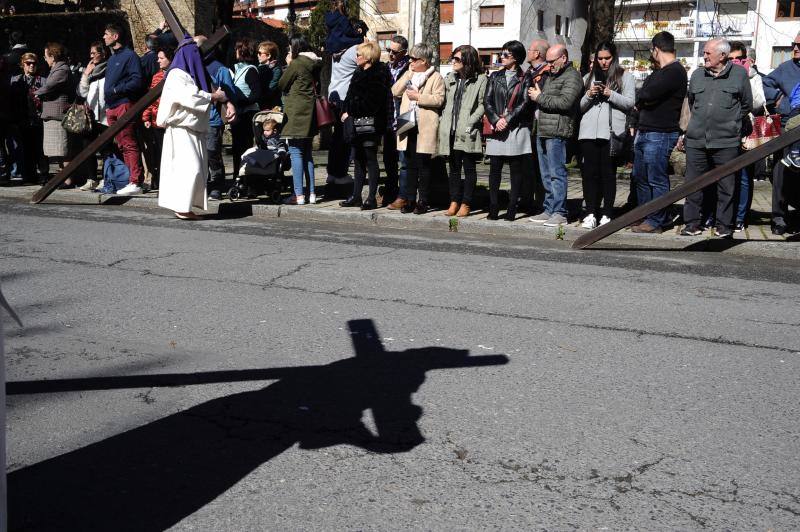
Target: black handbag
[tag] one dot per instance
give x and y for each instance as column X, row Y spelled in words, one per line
column 364, row 125
column 616, row 143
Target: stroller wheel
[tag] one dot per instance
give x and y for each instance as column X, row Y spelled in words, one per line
column 275, row 196
column 233, row 193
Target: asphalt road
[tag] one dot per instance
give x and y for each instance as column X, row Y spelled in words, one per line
column 270, row 375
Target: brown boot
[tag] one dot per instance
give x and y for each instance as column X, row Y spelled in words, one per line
column 397, row 204
column 453, row 208
column 463, row 211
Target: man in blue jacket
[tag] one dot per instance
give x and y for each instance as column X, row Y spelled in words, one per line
column 123, row 86
column 778, row 87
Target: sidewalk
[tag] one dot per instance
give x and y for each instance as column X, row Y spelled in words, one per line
column 755, row 239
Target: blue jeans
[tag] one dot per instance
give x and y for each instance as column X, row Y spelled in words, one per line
column 651, row 151
column 745, row 192
column 552, row 165
column 302, row 164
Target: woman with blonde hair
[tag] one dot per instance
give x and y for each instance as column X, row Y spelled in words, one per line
column 365, row 117
column 422, row 91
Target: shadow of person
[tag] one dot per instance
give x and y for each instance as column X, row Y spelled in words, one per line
column 153, row 476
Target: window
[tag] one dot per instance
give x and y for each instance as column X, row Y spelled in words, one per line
column 492, row 15
column 384, row 38
column 445, row 51
column 558, row 24
column 540, row 20
column 386, row 6
column 780, row 54
column 445, row 13
column 566, row 27
column 788, row 9
column 490, row 57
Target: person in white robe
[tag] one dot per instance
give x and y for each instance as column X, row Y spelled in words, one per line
column 184, row 112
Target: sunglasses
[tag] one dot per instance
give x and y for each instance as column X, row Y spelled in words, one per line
column 414, row 58
column 506, row 55
column 394, row 52
column 30, row 63
column 795, row 45
column 455, row 60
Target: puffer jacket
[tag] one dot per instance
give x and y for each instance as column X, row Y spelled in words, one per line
column 498, row 93
column 467, row 136
column 558, row 104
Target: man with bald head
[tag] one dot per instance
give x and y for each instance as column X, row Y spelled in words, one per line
column 557, row 100
column 532, row 189
column 720, row 99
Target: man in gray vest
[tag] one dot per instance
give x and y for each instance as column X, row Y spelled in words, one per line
column 719, row 99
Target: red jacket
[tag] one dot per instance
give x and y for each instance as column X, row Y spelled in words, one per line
column 149, row 114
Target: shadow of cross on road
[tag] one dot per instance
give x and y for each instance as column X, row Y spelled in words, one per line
column 153, row 476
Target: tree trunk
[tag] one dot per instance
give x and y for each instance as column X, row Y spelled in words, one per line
column 600, row 28
column 430, row 27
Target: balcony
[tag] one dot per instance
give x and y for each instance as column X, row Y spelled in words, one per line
column 644, row 31
column 727, row 26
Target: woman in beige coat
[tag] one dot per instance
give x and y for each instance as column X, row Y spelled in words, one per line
column 421, row 88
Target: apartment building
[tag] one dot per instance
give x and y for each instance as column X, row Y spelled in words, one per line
column 484, row 24
column 767, row 25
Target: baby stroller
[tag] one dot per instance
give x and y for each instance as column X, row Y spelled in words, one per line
column 262, row 169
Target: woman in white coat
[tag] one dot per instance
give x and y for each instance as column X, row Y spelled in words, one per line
column 184, row 111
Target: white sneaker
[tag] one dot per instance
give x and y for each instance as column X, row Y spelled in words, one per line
column 590, row 222
column 90, row 184
column 604, row 220
column 312, row 199
column 131, row 189
column 539, row 218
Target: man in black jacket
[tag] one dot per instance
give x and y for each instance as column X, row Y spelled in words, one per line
column 659, row 103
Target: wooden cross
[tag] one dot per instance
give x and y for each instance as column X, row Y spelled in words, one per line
column 710, row 177
column 133, row 113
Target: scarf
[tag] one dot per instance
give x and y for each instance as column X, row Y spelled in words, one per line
column 99, row 71
column 310, row 55
column 188, row 59
column 418, row 79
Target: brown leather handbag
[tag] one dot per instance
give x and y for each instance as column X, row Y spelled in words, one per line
column 322, row 109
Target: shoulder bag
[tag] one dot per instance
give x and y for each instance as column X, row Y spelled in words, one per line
column 765, row 128
column 488, row 128
column 616, row 143
column 77, row 120
column 322, row 109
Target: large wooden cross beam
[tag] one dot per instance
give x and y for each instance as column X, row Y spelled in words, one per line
column 132, row 114
column 731, row 167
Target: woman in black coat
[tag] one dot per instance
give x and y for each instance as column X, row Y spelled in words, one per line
column 506, row 106
column 366, row 99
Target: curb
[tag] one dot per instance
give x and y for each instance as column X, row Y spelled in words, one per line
column 756, row 241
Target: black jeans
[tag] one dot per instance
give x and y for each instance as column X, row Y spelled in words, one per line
column 216, row 166
column 33, row 156
column 418, row 166
column 365, row 160
column 462, row 192
column 698, row 162
column 599, row 177
column 340, row 150
column 242, row 138
column 495, row 170
column 782, row 189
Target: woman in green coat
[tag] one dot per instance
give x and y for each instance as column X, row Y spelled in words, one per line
column 297, row 84
column 460, row 128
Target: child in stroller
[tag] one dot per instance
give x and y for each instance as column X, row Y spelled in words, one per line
column 263, row 166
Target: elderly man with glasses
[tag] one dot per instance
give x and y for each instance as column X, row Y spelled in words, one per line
column 778, row 88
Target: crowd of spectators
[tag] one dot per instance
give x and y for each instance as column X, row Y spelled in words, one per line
column 528, row 115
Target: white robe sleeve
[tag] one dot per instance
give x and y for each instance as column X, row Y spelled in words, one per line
column 183, row 104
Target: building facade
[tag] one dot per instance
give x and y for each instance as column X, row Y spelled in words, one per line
column 485, row 24
column 766, row 25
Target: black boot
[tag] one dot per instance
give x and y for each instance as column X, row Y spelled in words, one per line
column 494, row 212
column 369, row 204
column 511, row 214
column 421, row 208
column 409, row 207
